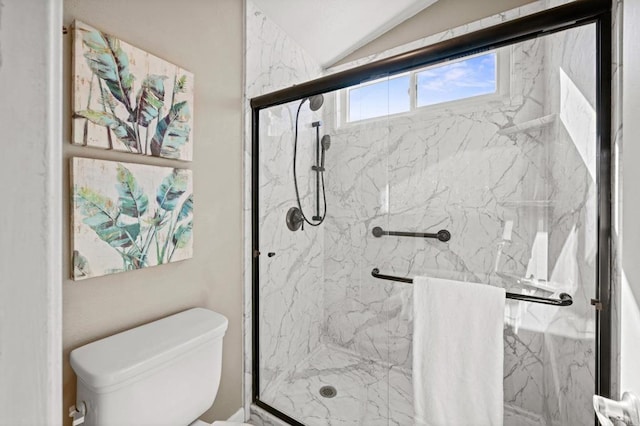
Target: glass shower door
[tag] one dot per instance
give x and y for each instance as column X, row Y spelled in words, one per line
column 497, row 149
column 511, row 174
column 324, row 325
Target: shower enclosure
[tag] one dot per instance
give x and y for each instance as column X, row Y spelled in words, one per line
column 483, row 159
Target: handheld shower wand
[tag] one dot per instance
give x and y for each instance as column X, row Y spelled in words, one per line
column 326, row 144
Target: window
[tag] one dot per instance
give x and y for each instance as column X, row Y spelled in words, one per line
column 467, row 78
column 460, row 80
column 379, row 98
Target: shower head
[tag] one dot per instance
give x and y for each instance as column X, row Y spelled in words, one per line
column 326, row 142
column 315, row 102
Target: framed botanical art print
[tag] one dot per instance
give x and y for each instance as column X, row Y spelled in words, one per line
column 129, row 216
column 129, row 100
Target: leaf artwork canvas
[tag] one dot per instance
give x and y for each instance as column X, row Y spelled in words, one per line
column 129, row 100
column 129, row 216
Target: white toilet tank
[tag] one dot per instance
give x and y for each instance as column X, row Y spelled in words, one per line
column 166, row 372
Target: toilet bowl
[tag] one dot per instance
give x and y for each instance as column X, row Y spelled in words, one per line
column 164, row 373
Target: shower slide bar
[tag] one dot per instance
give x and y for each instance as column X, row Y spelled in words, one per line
column 442, row 235
column 564, row 300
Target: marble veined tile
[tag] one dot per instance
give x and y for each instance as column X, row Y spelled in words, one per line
column 368, row 393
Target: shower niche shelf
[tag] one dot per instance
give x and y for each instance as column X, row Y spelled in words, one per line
column 528, row 284
column 526, row 203
column 536, row 123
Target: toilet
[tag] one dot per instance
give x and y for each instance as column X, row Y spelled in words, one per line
column 166, row 372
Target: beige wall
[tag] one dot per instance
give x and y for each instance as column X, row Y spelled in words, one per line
column 205, row 37
column 441, row 16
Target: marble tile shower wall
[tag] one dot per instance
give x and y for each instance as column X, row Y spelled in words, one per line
column 291, row 297
column 511, row 163
column 426, row 172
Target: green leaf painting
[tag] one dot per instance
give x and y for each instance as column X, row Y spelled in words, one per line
column 171, row 189
column 129, row 216
column 101, row 215
column 182, row 236
column 80, row 265
column 108, row 61
column 187, row 208
column 149, row 101
column 122, row 130
column 172, row 132
column 132, row 201
column 129, row 100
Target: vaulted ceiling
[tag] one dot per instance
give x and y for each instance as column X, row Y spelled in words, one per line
column 331, row 29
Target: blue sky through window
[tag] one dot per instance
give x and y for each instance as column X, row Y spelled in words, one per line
column 379, row 99
column 463, row 79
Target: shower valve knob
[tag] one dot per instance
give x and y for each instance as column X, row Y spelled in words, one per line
column 295, row 219
column 271, row 254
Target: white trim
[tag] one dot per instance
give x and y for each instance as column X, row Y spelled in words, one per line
column 30, row 255
column 54, row 194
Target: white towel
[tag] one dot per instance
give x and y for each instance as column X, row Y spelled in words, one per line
column 458, row 353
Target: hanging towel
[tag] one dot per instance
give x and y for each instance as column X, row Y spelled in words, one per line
column 458, row 353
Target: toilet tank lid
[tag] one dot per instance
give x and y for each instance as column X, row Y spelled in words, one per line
column 117, row 358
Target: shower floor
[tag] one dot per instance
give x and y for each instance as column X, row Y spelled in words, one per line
column 369, row 392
